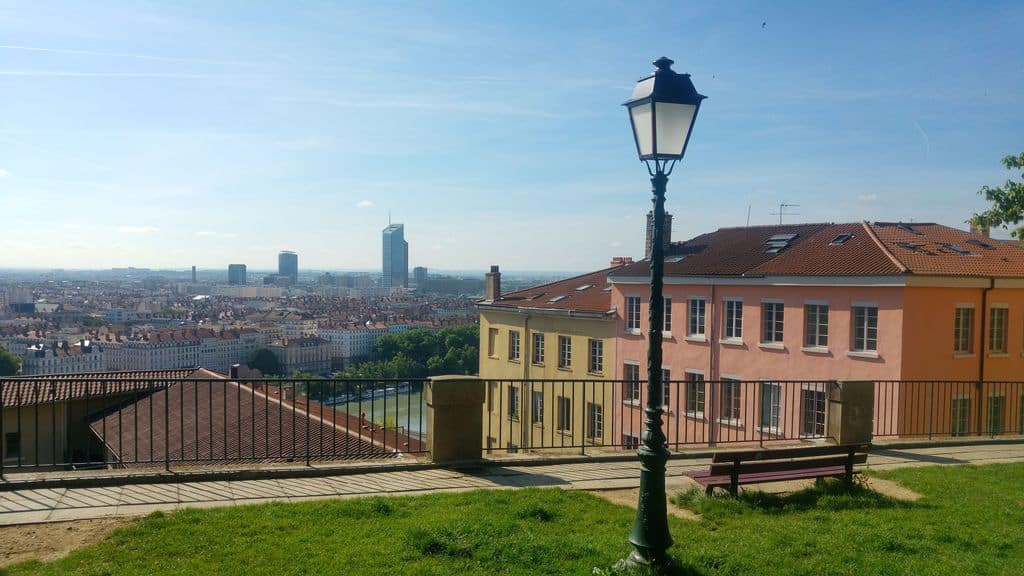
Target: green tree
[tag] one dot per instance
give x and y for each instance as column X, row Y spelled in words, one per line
column 1007, row 201
column 9, row 363
column 264, row 360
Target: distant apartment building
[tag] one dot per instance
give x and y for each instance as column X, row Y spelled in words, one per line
column 288, row 265
column 306, row 354
column 179, row 349
column 356, row 342
column 63, row 358
column 395, row 258
column 563, row 330
column 867, row 301
column 419, row 276
column 236, row 274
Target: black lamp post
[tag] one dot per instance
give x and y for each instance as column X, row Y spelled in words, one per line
column 662, row 110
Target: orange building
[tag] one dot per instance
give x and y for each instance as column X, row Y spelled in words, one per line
column 751, row 308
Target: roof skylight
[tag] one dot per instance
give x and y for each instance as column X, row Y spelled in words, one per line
column 840, row 239
column 980, row 244
column 558, row 298
column 584, row 287
column 909, row 228
column 958, row 249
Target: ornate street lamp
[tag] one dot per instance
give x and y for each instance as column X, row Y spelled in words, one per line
column 662, row 110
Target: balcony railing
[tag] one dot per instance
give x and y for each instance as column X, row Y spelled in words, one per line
column 65, row 423
column 584, row 416
column 117, row 421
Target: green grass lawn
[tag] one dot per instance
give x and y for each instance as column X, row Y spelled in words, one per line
column 970, row 521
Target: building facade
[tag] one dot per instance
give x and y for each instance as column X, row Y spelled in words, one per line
column 395, row 258
column 564, row 330
column 236, row 274
column 748, row 308
column 288, row 265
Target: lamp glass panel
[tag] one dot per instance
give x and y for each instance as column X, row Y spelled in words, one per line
column 674, row 122
column 642, row 128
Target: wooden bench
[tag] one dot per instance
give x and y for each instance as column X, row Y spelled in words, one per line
column 730, row 469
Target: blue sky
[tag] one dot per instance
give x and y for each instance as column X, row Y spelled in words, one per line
column 170, row 134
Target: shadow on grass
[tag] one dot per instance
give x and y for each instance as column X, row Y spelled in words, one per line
column 673, row 568
column 830, row 495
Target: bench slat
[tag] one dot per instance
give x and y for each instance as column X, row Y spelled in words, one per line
column 754, row 467
column 781, row 453
column 725, row 481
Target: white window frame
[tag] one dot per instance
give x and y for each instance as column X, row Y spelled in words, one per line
column 732, row 330
column 537, row 351
column 630, row 384
column 564, row 352
column 813, row 325
column 954, row 427
column 564, row 423
column 633, row 308
column 773, row 390
column 514, row 345
column 963, row 329
column 774, row 311
column 696, row 317
column 699, row 394
column 863, row 331
column 666, row 316
column 513, row 401
column 595, row 358
column 816, row 389
column 1001, row 332
column 595, row 420
column 666, row 391
column 537, row 407
column 736, row 406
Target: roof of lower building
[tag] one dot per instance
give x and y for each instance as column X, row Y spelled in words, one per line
column 589, row 292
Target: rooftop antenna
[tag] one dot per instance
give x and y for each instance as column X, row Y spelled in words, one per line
column 389, row 216
column 748, row 214
column 782, row 211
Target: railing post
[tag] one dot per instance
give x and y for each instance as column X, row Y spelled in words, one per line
column 454, row 418
column 3, row 434
column 851, row 411
column 931, row 406
column 167, row 417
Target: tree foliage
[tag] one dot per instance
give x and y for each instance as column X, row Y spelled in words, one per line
column 264, row 360
column 1007, row 201
column 420, row 353
column 8, row 363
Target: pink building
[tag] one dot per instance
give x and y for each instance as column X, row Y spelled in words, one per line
column 752, row 308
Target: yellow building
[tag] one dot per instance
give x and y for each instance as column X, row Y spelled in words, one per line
column 547, row 354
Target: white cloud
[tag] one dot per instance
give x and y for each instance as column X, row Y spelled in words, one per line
column 203, row 233
column 867, row 197
column 137, row 229
column 4, row 173
column 365, row 204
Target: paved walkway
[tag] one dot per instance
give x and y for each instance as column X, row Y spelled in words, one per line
column 55, row 505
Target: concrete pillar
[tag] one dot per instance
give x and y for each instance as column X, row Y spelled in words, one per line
column 851, row 411
column 454, row 418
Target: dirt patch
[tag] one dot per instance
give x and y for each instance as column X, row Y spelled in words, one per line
column 891, row 489
column 52, row 540
column 629, row 496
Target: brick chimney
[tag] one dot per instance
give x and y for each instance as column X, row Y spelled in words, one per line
column 492, row 285
column 980, row 230
column 666, row 239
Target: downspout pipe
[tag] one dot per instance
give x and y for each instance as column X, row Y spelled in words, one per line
column 983, row 351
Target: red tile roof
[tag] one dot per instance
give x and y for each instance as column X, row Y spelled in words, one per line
column 869, row 249
column 30, row 390
column 192, row 421
column 585, row 293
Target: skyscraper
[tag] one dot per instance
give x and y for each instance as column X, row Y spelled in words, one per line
column 396, row 257
column 288, row 265
column 236, row 274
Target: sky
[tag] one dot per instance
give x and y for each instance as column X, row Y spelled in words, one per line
column 171, row 134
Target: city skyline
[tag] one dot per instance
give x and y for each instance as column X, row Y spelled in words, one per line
column 162, row 137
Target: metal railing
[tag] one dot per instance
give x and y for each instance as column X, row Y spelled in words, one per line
column 948, row 409
column 584, row 416
column 74, row 423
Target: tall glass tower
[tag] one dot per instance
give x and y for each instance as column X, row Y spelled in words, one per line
column 396, row 257
column 288, row 265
